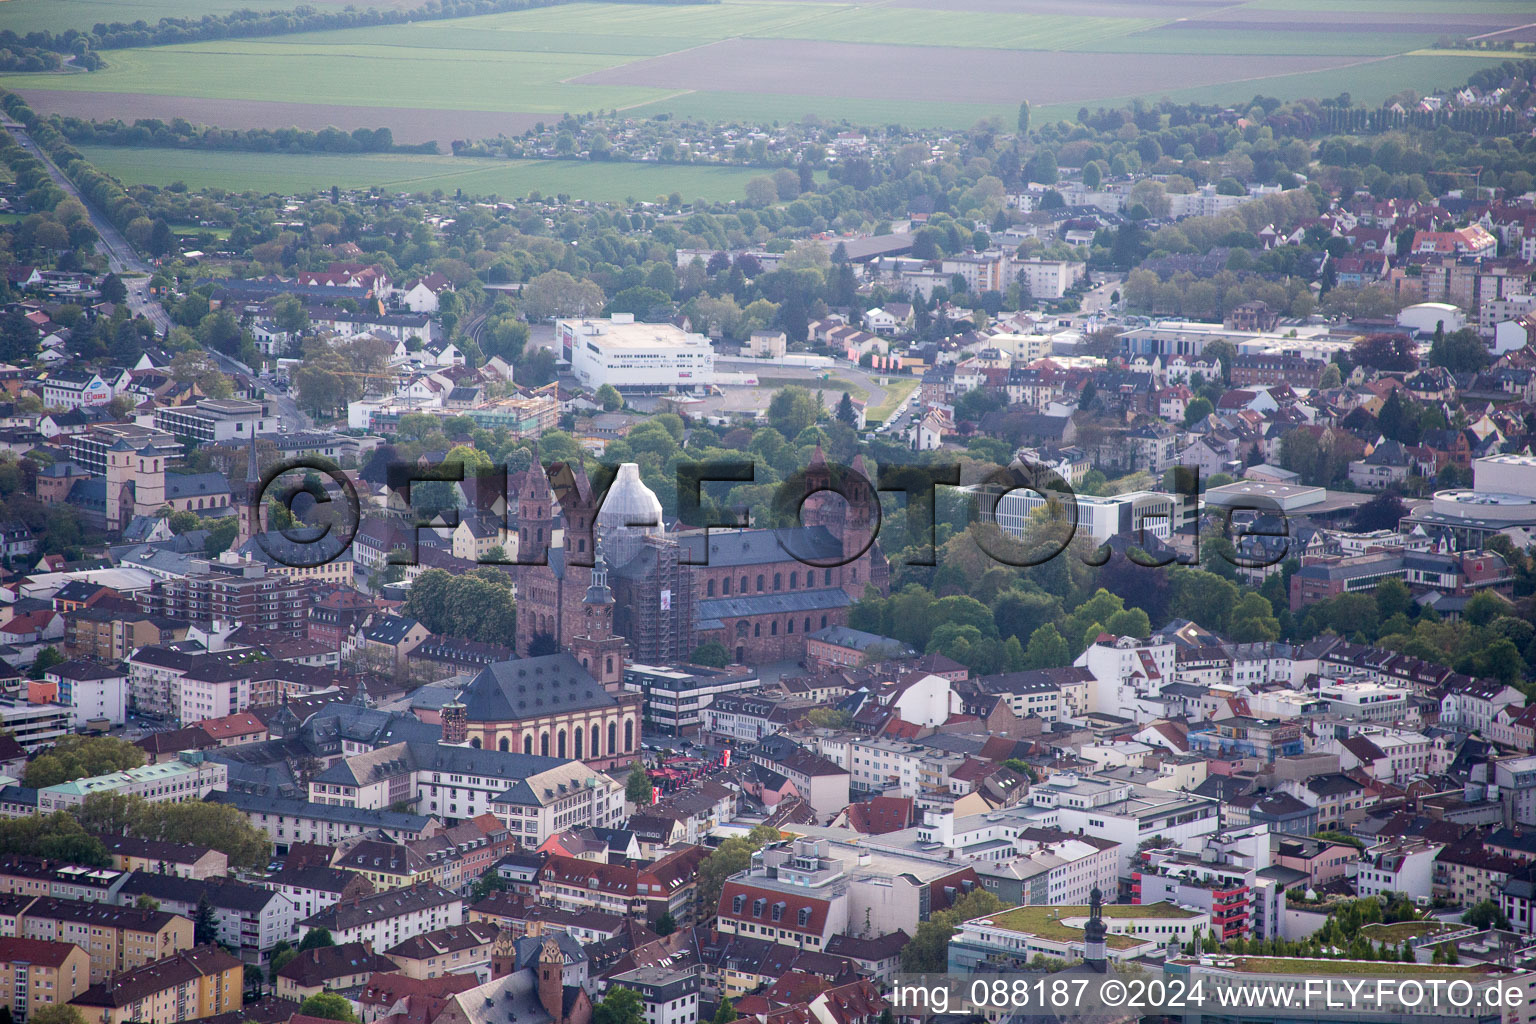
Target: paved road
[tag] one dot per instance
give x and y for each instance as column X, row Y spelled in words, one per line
column 121, row 257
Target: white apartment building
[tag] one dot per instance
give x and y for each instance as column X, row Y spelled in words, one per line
column 1048, row 279
column 1398, row 865
column 92, row 689
column 626, row 354
column 880, row 765
column 190, row 777
column 387, row 918
column 1124, row 669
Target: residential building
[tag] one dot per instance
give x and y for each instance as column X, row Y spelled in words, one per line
column 386, row 918
column 116, row 938
column 189, row 985
column 190, row 777
column 35, row 974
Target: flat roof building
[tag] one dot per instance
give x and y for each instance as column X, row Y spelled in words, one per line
column 627, row 354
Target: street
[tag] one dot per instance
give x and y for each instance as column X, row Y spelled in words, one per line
column 121, row 257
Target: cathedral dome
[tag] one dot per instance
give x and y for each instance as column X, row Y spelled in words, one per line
column 630, row 513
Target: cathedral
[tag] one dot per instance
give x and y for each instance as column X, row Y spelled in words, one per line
column 617, row 584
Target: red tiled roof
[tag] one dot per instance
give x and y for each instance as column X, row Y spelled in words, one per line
column 789, row 916
column 881, row 815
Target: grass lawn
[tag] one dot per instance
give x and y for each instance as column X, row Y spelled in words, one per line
column 276, row 172
column 1267, row 44
column 898, row 390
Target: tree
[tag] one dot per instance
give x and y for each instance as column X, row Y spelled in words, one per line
column 113, row 290
column 205, row 922
column 79, row 757
column 1383, row 512
column 1486, row 914
column 555, row 293
column 792, row 409
column 1394, row 351
column 638, row 790
column 730, row 857
column 316, row 938
column 725, row 1013
column 846, row 412
column 331, row 1006
column 1331, row 376
column 1047, row 649
column 56, row 1013
column 46, row 659
column 144, row 901
column 1198, row 409
column 610, row 398
column 283, row 954
column 288, row 314
column 829, row 718
column 1023, row 121
column 712, row 654
column 620, row 1006
column 1460, row 351
column 929, row 948
column 18, row 337
column 665, row 924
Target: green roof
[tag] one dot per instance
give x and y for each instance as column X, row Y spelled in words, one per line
column 1359, row 968
column 1400, row 930
column 1046, row 921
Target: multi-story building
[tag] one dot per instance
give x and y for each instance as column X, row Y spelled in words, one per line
column 111, row 636
column 1398, row 865
column 386, row 918
column 35, row 725
column 746, row 718
column 216, row 419
column 665, row 887
column 96, row 690
column 116, row 938
column 189, row 985
column 461, row 949
column 535, row 796
column 1219, row 875
column 668, row 995
column 189, row 777
column 36, row 876
column 1468, row 873
column 89, row 448
column 180, row 859
column 289, row 821
column 1023, row 933
column 626, row 354
column 233, row 590
column 1123, row 812
column 250, row 919
column 672, row 700
column 797, row 896
column 35, row 974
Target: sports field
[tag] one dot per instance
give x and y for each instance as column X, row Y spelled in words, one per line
column 925, row 63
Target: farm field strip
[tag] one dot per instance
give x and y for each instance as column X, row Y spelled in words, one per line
column 276, row 172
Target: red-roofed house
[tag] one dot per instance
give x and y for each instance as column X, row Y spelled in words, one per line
column 878, row 816
column 232, row 730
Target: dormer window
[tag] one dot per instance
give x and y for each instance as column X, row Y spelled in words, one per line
column 758, row 905
column 778, row 911
column 737, row 902
column 804, row 917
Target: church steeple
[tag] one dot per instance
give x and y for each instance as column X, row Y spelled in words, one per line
column 250, row 513
column 599, row 651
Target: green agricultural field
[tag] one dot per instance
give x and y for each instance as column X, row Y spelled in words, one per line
column 926, row 63
column 275, row 172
